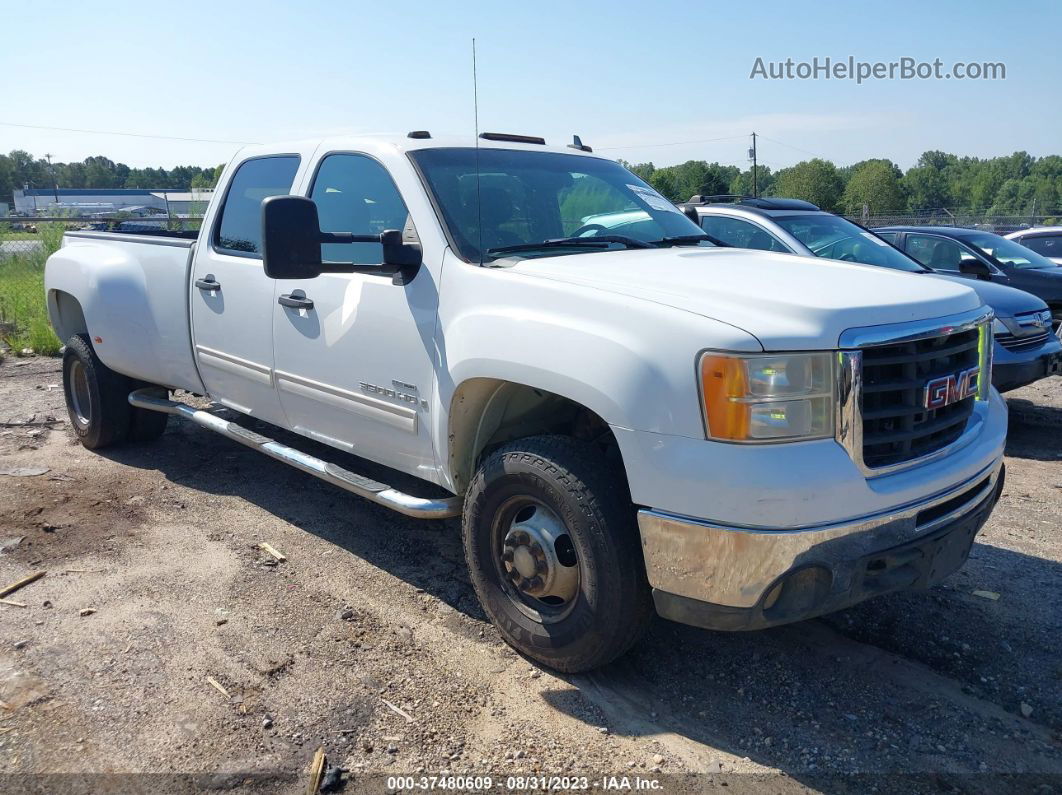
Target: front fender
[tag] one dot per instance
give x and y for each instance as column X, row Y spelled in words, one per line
column 630, row 361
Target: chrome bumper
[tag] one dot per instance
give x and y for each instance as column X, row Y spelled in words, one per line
column 738, row 567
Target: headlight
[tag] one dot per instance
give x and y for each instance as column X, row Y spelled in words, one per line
column 777, row 397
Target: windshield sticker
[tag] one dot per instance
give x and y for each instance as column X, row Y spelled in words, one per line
column 653, row 199
column 875, row 238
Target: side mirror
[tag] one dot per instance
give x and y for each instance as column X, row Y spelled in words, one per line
column 292, row 238
column 974, row 267
column 691, row 212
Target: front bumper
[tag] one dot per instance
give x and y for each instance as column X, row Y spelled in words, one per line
column 1014, row 369
column 741, row 578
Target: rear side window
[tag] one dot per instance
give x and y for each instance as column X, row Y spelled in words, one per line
column 938, row 253
column 239, row 227
column 741, row 234
column 1045, row 245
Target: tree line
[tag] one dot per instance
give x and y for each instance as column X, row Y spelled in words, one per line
column 1016, row 184
column 19, row 168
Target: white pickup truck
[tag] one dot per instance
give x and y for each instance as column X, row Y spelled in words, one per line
column 626, row 415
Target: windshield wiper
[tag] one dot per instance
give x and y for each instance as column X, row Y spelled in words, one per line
column 599, row 241
column 688, row 240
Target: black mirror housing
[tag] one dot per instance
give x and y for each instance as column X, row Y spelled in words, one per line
column 291, row 238
column 975, row 267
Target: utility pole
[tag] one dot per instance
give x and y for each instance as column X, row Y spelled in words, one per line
column 55, row 182
column 752, row 157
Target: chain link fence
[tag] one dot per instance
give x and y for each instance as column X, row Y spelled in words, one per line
column 970, row 219
column 25, row 245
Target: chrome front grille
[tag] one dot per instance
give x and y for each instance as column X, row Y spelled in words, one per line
column 901, row 395
column 897, row 427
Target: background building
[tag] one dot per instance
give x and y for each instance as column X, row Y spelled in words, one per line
column 93, row 201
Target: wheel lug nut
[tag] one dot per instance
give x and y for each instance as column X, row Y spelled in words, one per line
column 541, row 566
column 507, row 555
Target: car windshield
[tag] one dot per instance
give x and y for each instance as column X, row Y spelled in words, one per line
column 522, row 199
column 1007, row 252
column 833, row 237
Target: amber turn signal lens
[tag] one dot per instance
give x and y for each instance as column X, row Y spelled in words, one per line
column 724, row 383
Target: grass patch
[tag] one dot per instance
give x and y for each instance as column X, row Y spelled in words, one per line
column 23, row 310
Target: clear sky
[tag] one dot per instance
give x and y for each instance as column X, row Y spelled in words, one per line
column 639, row 81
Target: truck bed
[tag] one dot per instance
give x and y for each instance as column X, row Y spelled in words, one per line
column 134, row 291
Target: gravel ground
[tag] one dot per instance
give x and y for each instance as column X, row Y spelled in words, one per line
column 368, row 641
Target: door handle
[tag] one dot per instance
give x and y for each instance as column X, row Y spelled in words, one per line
column 209, row 284
column 296, row 300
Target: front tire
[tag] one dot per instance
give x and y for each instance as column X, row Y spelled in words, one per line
column 96, row 396
column 554, row 554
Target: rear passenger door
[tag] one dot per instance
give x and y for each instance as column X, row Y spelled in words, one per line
column 232, row 298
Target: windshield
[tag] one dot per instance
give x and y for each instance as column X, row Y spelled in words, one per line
column 833, row 237
column 1007, row 252
column 523, row 198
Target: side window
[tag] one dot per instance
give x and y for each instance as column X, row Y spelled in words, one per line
column 355, row 194
column 1044, row 245
column 741, row 234
column 239, row 226
column 889, row 237
column 937, row 253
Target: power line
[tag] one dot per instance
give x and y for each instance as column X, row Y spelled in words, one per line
column 125, row 134
column 783, row 143
column 671, row 143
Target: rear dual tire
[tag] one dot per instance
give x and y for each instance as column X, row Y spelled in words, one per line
column 97, row 400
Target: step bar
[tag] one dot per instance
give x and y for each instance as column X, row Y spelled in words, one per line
column 151, row 398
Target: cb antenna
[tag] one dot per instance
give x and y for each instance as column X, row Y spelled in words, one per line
column 475, row 113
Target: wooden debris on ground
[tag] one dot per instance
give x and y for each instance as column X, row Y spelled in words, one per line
column 317, row 767
column 397, row 710
column 218, row 686
column 12, row 602
column 21, row 583
column 272, row 551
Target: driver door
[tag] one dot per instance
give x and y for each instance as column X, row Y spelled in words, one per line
column 354, row 369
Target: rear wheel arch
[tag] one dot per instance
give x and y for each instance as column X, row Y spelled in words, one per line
column 66, row 314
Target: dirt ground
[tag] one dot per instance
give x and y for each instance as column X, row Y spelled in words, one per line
column 368, row 641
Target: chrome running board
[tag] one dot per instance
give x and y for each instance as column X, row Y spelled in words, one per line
column 417, row 507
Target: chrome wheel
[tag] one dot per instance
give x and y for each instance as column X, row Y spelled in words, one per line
column 537, row 560
column 80, row 395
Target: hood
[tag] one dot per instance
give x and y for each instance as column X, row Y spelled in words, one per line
column 1005, row 301
column 787, row 302
column 1044, row 282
